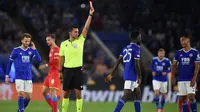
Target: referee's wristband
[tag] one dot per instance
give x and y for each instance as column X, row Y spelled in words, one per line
column 90, row 14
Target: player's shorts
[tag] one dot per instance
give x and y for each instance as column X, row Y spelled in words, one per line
column 184, row 88
column 24, row 85
column 128, row 84
column 72, row 78
column 159, row 85
column 52, row 80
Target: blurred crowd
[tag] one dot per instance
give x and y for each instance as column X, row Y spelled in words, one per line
column 160, row 22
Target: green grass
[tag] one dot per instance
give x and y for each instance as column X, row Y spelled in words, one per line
column 41, row 106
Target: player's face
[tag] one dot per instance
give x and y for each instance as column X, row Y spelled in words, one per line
column 139, row 38
column 161, row 54
column 184, row 42
column 74, row 33
column 50, row 41
column 26, row 42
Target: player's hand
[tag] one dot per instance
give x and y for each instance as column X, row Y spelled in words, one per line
column 173, row 80
column 7, row 80
column 42, row 66
column 164, row 73
column 192, row 82
column 154, row 73
column 108, row 78
column 61, row 76
column 91, row 8
column 33, row 46
column 139, row 81
column 175, row 88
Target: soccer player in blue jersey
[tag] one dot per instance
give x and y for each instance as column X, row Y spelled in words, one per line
column 161, row 66
column 130, row 56
column 22, row 57
column 187, row 60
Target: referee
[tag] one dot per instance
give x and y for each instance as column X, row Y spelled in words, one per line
column 71, row 60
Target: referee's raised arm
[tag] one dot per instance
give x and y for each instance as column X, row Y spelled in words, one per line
column 87, row 24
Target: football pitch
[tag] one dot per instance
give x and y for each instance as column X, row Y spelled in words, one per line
column 41, row 106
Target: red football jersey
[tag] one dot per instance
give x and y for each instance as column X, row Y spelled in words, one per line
column 54, row 59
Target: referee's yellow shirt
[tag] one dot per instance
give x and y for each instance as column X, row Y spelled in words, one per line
column 73, row 52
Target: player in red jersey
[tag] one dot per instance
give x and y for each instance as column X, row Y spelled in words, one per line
column 52, row 81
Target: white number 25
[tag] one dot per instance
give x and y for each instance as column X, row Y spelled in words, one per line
column 127, row 56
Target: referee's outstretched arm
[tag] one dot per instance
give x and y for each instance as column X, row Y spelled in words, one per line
column 87, row 24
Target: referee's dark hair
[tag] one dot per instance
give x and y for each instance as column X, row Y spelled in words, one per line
column 72, row 27
column 134, row 34
column 53, row 36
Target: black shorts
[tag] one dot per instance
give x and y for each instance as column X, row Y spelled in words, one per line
column 72, row 78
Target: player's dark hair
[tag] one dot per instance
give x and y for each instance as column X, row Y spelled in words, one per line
column 72, row 27
column 27, row 35
column 185, row 34
column 161, row 50
column 53, row 36
column 134, row 34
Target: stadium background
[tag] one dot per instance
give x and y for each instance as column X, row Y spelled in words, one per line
column 160, row 21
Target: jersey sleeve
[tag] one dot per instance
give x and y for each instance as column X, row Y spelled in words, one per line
column 81, row 38
column 136, row 54
column 121, row 54
column 37, row 56
column 169, row 66
column 197, row 57
column 62, row 52
column 13, row 56
column 152, row 66
column 176, row 57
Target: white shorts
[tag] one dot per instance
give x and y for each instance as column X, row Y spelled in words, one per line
column 185, row 89
column 24, row 85
column 159, row 85
column 130, row 85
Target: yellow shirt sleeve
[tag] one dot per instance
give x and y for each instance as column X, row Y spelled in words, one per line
column 62, row 53
column 81, row 38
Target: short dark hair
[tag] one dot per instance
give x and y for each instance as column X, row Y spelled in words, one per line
column 53, row 36
column 27, row 35
column 134, row 34
column 185, row 34
column 72, row 27
column 161, row 50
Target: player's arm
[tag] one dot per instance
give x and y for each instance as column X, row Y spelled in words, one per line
column 153, row 68
column 196, row 70
column 61, row 57
column 174, row 69
column 112, row 74
column 88, row 21
column 138, row 69
column 36, row 55
column 10, row 61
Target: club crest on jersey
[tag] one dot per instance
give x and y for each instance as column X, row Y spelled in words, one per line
column 75, row 45
column 20, row 53
column 190, row 54
column 163, row 64
column 181, row 55
column 156, row 63
column 29, row 52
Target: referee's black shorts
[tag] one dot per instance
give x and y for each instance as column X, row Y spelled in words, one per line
column 72, row 78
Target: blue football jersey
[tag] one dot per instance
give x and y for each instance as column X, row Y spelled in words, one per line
column 23, row 62
column 186, row 63
column 160, row 66
column 129, row 53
